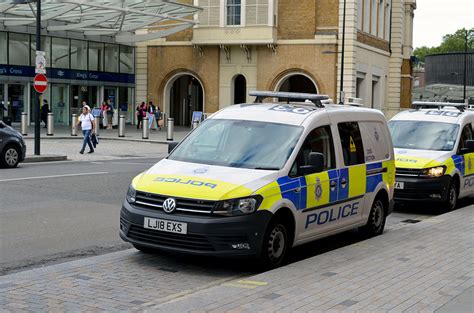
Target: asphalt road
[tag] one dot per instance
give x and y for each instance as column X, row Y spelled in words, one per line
column 55, row 212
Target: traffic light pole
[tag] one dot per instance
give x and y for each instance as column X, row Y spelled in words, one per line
column 37, row 95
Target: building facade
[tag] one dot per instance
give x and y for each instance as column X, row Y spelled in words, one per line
column 280, row 45
column 77, row 70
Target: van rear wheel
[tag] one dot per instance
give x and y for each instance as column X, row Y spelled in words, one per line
column 377, row 217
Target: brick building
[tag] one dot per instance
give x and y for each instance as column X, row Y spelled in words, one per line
column 282, row 45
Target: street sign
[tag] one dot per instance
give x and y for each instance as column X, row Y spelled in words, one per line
column 40, row 62
column 40, row 83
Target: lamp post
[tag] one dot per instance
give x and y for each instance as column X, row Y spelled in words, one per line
column 341, row 90
column 37, row 94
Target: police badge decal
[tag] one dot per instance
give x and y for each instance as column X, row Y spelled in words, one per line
column 318, row 191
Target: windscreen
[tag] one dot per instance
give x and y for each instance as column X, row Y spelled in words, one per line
column 237, row 143
column 423, row 135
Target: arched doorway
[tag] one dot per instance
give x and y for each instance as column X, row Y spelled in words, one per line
column 240, row 89
column 297, row 82
column 183, row 95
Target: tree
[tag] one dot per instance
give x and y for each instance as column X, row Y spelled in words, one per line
column 450, row 43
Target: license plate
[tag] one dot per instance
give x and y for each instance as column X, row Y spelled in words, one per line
column 399, row 185
column 165, row 225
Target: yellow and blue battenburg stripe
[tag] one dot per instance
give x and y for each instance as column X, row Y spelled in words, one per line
column 374, row 176
column 288, row 186
column 459, row 163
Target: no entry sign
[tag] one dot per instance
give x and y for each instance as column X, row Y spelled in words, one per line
column 40, row 83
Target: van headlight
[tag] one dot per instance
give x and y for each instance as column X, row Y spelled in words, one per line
column 437, row 171
column 241, row 206
column 131, row 194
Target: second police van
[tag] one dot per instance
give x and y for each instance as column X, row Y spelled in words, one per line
column 434, row 153
column 257, row 179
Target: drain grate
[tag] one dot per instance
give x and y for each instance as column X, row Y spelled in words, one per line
column 410, row 221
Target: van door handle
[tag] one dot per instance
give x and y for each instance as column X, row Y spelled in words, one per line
column 343, row 182
column 297, row 190
column 332, row 184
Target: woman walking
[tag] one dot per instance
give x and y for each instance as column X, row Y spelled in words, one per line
column 88, row 125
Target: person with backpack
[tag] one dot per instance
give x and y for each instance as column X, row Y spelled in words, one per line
column 87, row 122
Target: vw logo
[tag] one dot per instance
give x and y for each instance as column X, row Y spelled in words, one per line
column 169, row 205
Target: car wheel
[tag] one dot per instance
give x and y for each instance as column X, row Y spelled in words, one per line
column 275, row 245
column 144, row 249
column 10, row 156
column 452, row 199
column 376, row 223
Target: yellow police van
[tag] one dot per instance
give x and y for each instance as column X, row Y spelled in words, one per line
column 259, row 178
column 434, row 153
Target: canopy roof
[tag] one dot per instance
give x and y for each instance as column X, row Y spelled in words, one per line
column 117, row 18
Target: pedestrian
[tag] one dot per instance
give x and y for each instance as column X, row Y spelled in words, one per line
column 44, row 113
column 159, row 122
column 110, row 114
column 106, row 110
column 141, row 114
column 151, row 115
column 87, row 122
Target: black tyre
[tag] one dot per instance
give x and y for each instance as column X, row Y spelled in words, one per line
column 144, row 249
column 10, row 156
column 377, row 217
column 275, row 245
column 452, row 198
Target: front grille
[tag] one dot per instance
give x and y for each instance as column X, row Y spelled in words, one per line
column 408, row 172
column 154, row 201
column 412, row 194
column 189, row 241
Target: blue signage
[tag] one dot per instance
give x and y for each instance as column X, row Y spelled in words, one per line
column 29, row 71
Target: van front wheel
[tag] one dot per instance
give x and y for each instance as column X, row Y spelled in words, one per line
column 275, row 245
column 377, row 217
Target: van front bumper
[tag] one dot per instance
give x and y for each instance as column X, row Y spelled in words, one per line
column 206, row 235
column 422, row 188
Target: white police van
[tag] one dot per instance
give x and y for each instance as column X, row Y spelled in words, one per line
column 257, row 179
column 434, row 153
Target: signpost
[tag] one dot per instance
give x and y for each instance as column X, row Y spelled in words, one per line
column 40, row 83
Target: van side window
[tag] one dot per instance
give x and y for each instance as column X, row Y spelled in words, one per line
column 318, row 140
column 465, row 135
column 351, row 142
column 374, row 138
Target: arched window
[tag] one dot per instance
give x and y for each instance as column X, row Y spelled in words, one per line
column 298, row 83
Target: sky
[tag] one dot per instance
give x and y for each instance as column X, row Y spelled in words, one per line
column 436, row 18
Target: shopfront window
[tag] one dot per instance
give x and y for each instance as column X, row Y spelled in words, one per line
column 126, row 103
column 96, row 56
column 111, row 58
column 44, row 96
column 81, row 93
column 45, row 46
column 126, row 59
column 17, row 98
column 3, row 48
column 79, row 55
column 18, row 47
column 3, row 105
column 60, row 103
column 60, row 53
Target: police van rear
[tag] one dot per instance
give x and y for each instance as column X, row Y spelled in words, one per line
column 434, row 152
column 259, row 178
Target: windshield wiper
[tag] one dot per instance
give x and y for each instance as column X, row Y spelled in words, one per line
column 268, row 168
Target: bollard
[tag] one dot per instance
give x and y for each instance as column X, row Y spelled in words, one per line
column 50, row 120
column 145, row 129
column 73, row 125
column 195, row 124
column 163, row 117
column 170, row 129
column 24, row 123
column 121, row 126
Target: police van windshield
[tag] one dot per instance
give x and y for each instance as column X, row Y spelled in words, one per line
column 423, row 135
column 237, row 143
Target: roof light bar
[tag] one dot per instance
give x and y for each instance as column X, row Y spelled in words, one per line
column 314, row 98
column 426, row 105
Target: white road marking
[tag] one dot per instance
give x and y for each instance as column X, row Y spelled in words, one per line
column 52, row 176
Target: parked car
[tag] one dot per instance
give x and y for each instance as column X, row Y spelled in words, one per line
column 12, row 146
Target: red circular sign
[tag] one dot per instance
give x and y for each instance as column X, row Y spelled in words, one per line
column 40, row 83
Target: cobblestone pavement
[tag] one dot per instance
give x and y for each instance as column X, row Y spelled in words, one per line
column 420, row 267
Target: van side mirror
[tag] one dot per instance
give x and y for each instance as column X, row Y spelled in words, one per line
column 315, row 164
column 172, row 145
column 469, row 147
